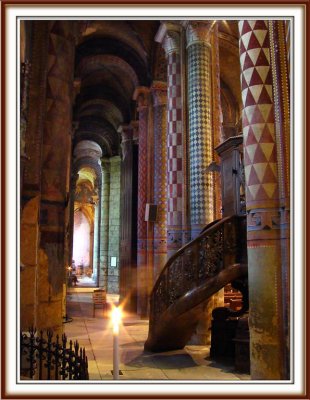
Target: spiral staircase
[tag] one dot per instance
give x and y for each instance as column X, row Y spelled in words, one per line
column 191, row 276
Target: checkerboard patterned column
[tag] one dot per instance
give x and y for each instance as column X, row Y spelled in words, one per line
column 169, row 36
column 159, row 91
column 263, row 166
column 141, row 95
column 202, row 206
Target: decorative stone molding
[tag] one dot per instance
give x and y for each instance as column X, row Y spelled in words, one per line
column 87, row 148
column 159, row 92
column 199, row 32
column 141, row 95
column 129, row 131
column 169, row 36
column 126, row 132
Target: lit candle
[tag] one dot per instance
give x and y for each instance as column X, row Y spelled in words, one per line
column 116, row 320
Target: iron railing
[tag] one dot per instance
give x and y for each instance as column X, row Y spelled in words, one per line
column 41, row 358
column 222, row 244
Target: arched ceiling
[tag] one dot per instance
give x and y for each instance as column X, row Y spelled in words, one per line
column 229, row 58
column 112, row 59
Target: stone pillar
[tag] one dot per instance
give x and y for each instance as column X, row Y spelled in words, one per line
column 95, row 244
column 127, row 266
column 55, row 172
column 141, row 95
column 204, row 133
column 31, row 148
column 201, row 134
column 114, row 224
column 280, row 60
column 159, row 91
column 104, row 223
column 169, row 36
column 265, row 162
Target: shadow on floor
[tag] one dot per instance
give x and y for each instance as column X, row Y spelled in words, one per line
column 169, row 360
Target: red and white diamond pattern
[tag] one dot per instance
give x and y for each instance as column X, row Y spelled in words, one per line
column 258, row 113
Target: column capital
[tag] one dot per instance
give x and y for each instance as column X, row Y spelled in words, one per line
column 126, row 131
column 141, row 95
column 168, row 35
column 198, row 32
column 159, row 92
column 105, row 164
column 135, row 127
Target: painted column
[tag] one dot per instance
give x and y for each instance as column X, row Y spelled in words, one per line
column 280, row 60
column 169, row 35
column 201, row 142
column 159, row 91
column 126, row 246
column 264, row 166
column 104, row 223
column 204, row 132
column 55, row 174
column 141, row 95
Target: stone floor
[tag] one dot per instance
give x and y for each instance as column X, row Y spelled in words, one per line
column 95, row 334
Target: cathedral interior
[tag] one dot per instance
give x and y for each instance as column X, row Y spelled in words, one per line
column 155, row 165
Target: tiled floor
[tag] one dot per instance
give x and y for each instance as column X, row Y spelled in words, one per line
column 95, row 334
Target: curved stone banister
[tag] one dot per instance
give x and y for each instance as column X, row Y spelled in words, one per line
column 193, row 274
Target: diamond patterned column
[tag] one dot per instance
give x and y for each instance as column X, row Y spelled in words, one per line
column 201, row 143
column 169, row 36
column 141, row 95
column 159, row 91
column 204, row 131
column 262, row 154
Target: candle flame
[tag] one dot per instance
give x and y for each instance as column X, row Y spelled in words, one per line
column 116, row 316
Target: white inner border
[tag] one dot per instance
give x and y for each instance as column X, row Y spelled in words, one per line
column 106, row 388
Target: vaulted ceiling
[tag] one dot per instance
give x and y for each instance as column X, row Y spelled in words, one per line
column 113, row 58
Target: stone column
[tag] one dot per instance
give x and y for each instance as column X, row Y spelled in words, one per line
column 204, row 131
column 127, row 267
column 30, row 175
column 141, row 95
column 55, row 172
column 280, row 60
column 114, row 224
column 268, row 219
column 169, row 36
column 104, row 223
column 96, row 243
column 201, row 134
column 159, row 91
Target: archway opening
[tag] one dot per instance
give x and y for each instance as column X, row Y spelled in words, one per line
column 84, row 265
column 82, row 244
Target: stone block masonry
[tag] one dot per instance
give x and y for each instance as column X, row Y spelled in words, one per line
column 114, row 224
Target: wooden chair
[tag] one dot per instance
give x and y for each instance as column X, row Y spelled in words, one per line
column 99, row 300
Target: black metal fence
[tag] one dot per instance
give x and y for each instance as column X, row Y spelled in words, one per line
column 41, row 358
